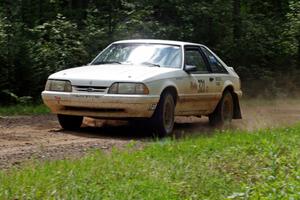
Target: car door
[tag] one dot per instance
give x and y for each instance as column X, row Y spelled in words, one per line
column 218, row 71
column 199, row 96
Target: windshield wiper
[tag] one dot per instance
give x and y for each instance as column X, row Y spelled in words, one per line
column 150, row 64
column 107, row 62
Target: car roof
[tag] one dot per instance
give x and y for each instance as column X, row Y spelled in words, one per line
column 154, row 41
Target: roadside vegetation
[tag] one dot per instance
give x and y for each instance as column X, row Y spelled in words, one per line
column 224, row 165
column 19, row 109
column 260, row 40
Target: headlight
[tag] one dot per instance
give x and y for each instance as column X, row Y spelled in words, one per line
column 58, row 85
column 128, row 88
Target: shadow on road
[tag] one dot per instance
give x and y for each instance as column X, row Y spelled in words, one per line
column 113, row 129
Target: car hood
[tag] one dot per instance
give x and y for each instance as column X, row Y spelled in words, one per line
column 105, row 75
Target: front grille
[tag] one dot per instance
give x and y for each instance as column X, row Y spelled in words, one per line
column 98, row 89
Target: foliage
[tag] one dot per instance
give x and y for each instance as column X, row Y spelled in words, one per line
column 3, row 56
column 24, row 108
column 261, row 40
column 54, row 48
column 225, row 165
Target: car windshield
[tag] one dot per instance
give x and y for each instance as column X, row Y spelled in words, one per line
column 155, row 55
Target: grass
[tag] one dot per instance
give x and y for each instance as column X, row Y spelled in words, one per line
column 226, row 165
column 23, row 110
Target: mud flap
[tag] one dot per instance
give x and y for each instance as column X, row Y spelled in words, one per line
column 237, row 114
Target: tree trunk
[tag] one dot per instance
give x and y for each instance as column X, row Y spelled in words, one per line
column 237, row 20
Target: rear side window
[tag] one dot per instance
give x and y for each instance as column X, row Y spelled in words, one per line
column 215, row 65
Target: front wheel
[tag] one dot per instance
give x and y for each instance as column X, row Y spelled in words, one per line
column 163, row 117
column 224, row 111
column 69, row 122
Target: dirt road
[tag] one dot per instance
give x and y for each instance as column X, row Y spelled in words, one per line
column 26, row 137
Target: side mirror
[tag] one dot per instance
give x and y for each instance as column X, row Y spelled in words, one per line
column 190, row 68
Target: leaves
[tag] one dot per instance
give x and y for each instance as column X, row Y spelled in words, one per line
column 260, row 39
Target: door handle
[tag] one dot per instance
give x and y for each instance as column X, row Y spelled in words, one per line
column 211, row 79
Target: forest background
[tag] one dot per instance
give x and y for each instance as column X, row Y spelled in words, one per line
column 260, row 39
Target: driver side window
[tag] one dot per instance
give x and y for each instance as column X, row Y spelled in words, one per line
column 193, row 57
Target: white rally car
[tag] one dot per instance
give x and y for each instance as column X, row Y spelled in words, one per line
column 153, row 80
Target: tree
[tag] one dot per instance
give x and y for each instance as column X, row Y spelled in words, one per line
column 54, row 48
column 260, row 39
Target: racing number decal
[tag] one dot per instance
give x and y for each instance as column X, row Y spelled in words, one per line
column 57, row 98
column 201, row 87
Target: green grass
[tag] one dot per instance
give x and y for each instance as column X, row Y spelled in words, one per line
column 23, row 110
column 226, row 165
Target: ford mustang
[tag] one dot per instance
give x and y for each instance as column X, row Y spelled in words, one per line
column 152, row 80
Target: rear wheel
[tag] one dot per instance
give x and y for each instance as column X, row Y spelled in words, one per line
column 69, row 122
column 163, row 118
column 224, row 111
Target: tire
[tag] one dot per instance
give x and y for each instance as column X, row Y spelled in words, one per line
column 223, row 113
column 163, row 117
column 69, row 122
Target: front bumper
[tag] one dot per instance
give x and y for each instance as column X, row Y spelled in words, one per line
column 101, row 105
